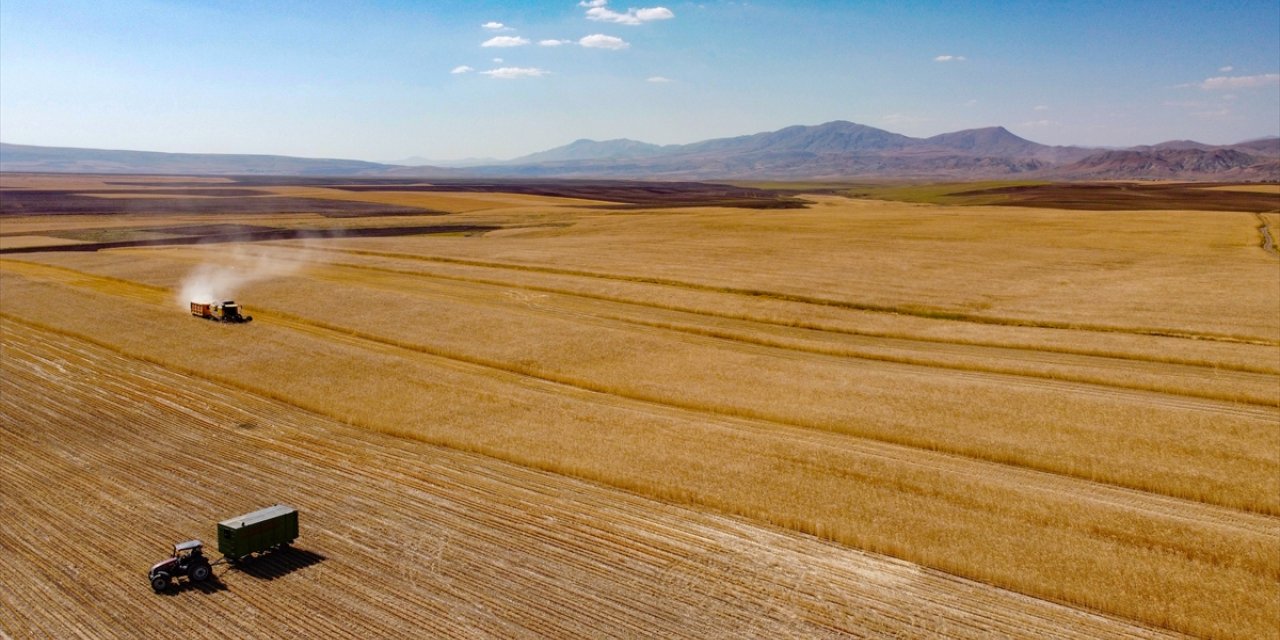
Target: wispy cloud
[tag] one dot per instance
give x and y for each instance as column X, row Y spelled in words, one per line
column 553, row 42
column 496, row 26
column 949, row 58
column 511, row 73
column 658, row 79
column 1226, row 69
column 1229, row 83
column 1040, row 107
column 462, row 68
column 598, row 11
column 601, row 41
column 505, row 41
column 1042, row 123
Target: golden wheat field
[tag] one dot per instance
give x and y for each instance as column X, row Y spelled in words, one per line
column 515, row 414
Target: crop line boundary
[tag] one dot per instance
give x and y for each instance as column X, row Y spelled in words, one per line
column 810, row 326
column 907, row 310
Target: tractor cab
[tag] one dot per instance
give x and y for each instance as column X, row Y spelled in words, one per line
column 188, row 560
column 187, row 550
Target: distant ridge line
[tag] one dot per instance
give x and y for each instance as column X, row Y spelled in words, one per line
column 833, row 150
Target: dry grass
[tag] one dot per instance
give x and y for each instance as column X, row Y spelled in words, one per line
column 400, row 538
column 16, row 242
column 1249, row 188
column 971, row 431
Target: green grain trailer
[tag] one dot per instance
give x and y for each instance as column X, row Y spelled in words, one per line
column 270, row 528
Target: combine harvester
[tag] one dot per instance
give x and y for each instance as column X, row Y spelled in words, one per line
column 227, row 311
column 268, row 529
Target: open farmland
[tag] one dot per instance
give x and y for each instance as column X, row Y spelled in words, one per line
column 544, row 415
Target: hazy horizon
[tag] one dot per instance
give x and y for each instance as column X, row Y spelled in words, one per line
column 391, row 80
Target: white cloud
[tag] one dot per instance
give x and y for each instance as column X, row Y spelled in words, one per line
column 498, row 60
column 553, row 42
column 511, row 73
column 1042, row 123
column 496, row 26
column 1040, row 107
column 971, row 103
column 1226, row 69
column 658, row 79
column 596, row 10
column 1227, row 83
column 653, row 13
column 505, row 41
column 462, row 68
column 949, row 58
column 601, row 41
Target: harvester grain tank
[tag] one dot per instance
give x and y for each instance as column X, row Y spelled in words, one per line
column 226, row 311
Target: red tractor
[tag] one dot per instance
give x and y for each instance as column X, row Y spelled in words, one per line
column 188, row 560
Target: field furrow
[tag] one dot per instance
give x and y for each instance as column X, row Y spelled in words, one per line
column 426, row 541
column 857, row 419
column 829, row 393
column 820, row 482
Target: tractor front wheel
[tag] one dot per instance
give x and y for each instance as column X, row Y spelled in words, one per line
column 160, row 582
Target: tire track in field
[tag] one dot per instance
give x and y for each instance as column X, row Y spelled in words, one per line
column 901, row 310
column 1182, row 380
column 905, row 454
column 509, row 552
column 1223, row 382
column 789, row 324
column 1216, row 367
column 591, row 391
column 1184, row 399
column 766, row 432
column 1268, row 241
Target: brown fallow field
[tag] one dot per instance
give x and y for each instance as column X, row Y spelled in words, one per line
column 519, row 412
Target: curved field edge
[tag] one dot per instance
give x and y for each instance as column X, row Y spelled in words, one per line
column 1097, row 554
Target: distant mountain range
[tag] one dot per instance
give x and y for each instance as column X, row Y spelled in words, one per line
column 832, row 151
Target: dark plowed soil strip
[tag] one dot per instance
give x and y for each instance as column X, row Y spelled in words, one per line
column 1128, row 196
column 206, row 191
column 626, row 192
column 260, row 236
column 666, row 194
column 55, row 202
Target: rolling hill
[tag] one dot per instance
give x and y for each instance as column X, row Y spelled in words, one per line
column 834, row 151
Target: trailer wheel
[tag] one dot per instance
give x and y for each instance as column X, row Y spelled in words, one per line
column 160, row 582
column 199, row 573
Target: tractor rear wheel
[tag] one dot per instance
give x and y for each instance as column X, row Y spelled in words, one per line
column 160, row 582
column 199, row 573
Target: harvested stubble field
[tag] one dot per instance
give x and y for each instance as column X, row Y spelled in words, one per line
column 860, row 419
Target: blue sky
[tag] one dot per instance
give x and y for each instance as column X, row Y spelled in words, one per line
column 385, row 80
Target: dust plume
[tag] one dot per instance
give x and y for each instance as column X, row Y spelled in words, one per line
column 223, row 280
